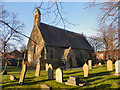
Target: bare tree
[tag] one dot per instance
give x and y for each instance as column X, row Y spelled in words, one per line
column 95, row 42
column 109, row 39
column 8, row 36
column 11, row 31
column 54, row 11
column 109, row 12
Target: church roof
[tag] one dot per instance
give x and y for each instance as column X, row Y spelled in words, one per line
column 54, row 36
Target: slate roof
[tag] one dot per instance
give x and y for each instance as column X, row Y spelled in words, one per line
column 54, row 36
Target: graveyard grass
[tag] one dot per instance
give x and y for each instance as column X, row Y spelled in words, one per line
column 99, row 77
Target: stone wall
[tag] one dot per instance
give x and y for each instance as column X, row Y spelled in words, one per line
column 54, row 56
column 34, row 50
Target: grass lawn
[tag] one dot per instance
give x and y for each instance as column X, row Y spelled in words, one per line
column 99, row 77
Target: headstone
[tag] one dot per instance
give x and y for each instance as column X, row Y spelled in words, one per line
column 23, row 72
column 100, row 64
column 85, row 70
column 59, row 75
column 73, row 80
column 50, row 74
column 47, row 66
column 18, row 63
column 45, row 87
column 37, row 73
column 109, row 65
column 50, row 66
column 117, row 67
column 12, row 77
column 90, row 64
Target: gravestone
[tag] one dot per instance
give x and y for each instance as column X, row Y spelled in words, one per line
column 50, row 74
column 37, row 73
column 18, row 63
column 46, row 66
column 90, row 64
column 23, row 72
column 73, row 80
column 117, row 67
column 109, row 65
column 45, row 87
column 12, row 77
column 100, row 64
column 59, row 75
column 85, row 70
column 50, row 66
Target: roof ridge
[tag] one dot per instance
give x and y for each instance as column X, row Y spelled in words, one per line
column 62, row 29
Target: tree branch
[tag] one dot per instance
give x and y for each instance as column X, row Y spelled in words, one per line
column 17, row 31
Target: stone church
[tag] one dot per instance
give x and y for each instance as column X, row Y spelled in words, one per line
column 55, row 45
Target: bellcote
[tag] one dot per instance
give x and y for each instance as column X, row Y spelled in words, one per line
column 37, row 16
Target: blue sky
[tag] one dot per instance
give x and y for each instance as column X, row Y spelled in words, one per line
column 85, row 18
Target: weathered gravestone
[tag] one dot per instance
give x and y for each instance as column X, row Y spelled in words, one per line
column 73, row 80
column 85, row 70
column 90, row 64
column 45, row 87
column 46, row 66
column 23, row 72
column 12, row 77
column 117, row 67
column 109, row 65
column 50, row 74
column 50, row 66
column 59, row 75
column 37, row 73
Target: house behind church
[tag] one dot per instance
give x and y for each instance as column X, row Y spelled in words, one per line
column 55, row 45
